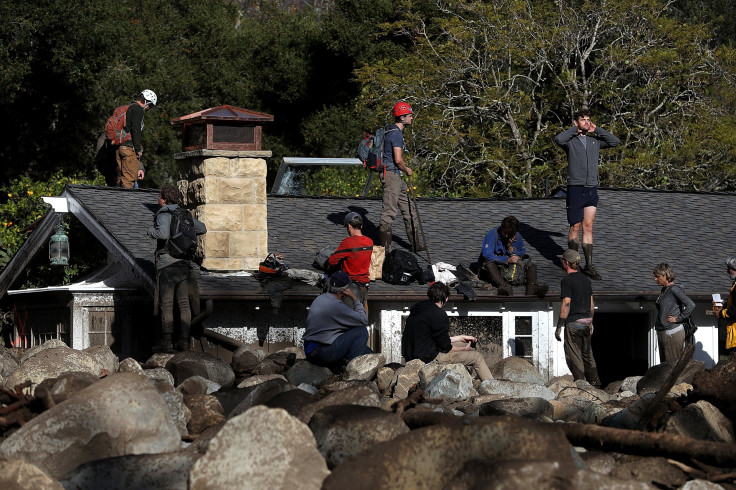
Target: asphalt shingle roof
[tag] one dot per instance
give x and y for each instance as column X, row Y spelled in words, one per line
column 634, row 231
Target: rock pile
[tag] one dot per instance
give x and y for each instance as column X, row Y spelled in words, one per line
column 81, row 420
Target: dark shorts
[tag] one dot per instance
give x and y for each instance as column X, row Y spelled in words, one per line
column 578, row 198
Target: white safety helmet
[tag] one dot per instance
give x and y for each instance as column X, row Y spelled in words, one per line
column 731, row 263
column 149, row 96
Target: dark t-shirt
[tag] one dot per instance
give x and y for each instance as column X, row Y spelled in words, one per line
column 394, row 138
column 578, row 288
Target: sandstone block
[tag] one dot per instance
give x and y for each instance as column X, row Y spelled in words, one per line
column 222, row 217
column 249, row 167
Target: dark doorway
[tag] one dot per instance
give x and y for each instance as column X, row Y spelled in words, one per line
column 620, row 345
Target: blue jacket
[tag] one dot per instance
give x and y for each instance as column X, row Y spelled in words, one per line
column 495, row 250
column 582, row 159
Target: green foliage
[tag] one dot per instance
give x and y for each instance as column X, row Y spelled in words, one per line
column 22, row 207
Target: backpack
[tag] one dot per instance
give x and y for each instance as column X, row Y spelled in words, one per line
column 115, row 126
column 402, row 267
column 182, row 242
column 370, row 150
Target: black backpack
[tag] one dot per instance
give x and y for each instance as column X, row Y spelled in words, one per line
column 182, row 242
column 402, row 267
column 370, row 149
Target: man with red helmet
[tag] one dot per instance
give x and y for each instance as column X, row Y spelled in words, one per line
column 395, row 197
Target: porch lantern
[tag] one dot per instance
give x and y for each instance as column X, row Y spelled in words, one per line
column 59, row 247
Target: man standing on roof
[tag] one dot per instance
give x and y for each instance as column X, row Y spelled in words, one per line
column 128, row 156
column 576, row 315
column 395, row 195
column 505, row 259
column 335, row 332
column 354, row 256
column 582, row 143
column 172, row 274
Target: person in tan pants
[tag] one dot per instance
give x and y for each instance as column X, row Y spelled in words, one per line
column 427, row 335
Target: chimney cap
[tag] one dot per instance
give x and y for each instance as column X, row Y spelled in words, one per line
column 223, row 113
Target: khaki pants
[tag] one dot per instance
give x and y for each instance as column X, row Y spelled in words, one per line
column 128, row 166
column 670, row 346
column 395, row 199
column 468, row 358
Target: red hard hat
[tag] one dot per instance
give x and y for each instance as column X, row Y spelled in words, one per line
column 401, row 109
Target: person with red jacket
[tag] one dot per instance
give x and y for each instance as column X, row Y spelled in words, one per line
column 353, row 256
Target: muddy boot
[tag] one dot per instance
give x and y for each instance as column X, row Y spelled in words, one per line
column 417, row 245
column 573, row 245
column 504, row 288
column 185, row 344
column 589, row 269
column 165, row 346
column 532, row 286
column 384, row 237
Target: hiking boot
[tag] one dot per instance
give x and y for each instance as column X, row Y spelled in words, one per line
column 589, row 270
column 505, row 290
column 384, row 237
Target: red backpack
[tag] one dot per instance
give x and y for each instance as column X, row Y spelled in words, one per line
column 114, row 127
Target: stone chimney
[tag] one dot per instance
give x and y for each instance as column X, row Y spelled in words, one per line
column 222, row 173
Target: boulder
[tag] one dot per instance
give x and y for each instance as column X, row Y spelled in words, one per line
column 159, row 374
column 582, row 390
column 629, row 384
column 187, row 364
column 106, row 357
column 449, row 385
column 655, row 376
column 354, row 395
column 629, row 417
column 244, row 361
column 8, row 362
column 428, row 372
column 269, row 367
column 258, row 379
column 261, row 448
column 406, row 377
column 205, row 410
column 259, row 394
column 523, row 407
column 703, row 421
column 515, row 390
column 198, row 384
column 130, row 365
column 516, row 369
column 343, row 431
column 167, row 470
column 63, row 387
column 656, row 470
column 120, row 414
column 50, row 363
column 559, row 382
column 160, row 359
column 19, row 474
column 384, row 377
column 49, row 344
column 178, row 411
column 293, row 401
column 433, row 457
column 364, row 367
column 306, row 372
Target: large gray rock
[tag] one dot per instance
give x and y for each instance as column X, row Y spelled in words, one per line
column 559, row 382
column 655, row 376
column 159, row 374
column 121, row 414
column 49, row 344
column 516, row 369
column 582, row 390
column 8, row 362
column 205, row 410
column 629, row 384
column 701, row 421
column 364, row 367
column 293, row 401
column 244, row 360
column 406, row 377
column 19, row 474
column 63, row 387
column 159, row 359
column 198, row 384
column 260, row 394
column 153, row 471
column 384, row 378
column 629, row 417
column 130, row 365
column 262, row 448
column 428, row 372
column 449, row 385
column 306, row 372
column 178, row 411
column 434, row 457
column 258, row 379
column 106, row 357
column 190, row 363
column 353, row 395
column 523, row 407
column 344, row 431
column 50, row 363
column 515, row 390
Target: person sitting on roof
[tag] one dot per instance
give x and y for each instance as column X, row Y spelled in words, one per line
column 504, row 258
column 334, row 332
column 427, row 335
column 354, row 257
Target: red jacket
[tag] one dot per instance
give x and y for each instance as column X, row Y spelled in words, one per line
column 355, row 264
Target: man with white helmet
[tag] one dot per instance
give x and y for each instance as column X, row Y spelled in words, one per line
column 395, row 197
column 130, row 167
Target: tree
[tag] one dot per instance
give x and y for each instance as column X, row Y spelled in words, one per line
column 494, row 81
